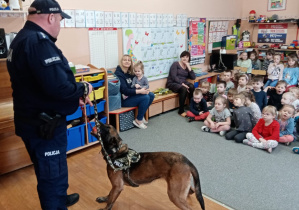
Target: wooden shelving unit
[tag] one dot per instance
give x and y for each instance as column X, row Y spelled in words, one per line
column 93, row 70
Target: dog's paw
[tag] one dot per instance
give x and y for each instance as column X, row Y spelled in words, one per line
column 102, row 199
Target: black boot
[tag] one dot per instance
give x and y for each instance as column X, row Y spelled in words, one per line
column 72, row 199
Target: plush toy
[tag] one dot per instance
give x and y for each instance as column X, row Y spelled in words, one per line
column 3, row 5
column 252, row 17
column 246, row 36
column 14, row 4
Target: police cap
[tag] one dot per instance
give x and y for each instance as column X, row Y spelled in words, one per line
column 47, row 7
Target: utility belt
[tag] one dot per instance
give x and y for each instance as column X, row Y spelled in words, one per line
column 46, row 124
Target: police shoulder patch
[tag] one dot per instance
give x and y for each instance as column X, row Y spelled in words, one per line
column 52, row 60
column 42, row 35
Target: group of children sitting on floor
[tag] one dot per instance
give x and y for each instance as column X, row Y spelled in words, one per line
column 262, row 115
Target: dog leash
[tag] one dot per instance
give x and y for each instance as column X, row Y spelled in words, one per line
column 121, row 163
column 98, row 135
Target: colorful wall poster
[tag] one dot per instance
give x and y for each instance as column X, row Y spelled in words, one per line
column 197, row 40
column 157, row 48
column 272, row 33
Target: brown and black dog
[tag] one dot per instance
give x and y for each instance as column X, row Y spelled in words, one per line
column 175, row 168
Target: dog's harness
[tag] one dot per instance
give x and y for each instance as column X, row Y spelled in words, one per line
column 123, row 163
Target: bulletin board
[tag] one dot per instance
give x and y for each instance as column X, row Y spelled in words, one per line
column 157, row 48
column 197, row 40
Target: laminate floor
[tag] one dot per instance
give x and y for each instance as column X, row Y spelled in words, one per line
column 87, row 176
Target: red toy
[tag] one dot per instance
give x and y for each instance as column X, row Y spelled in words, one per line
column 252, row 14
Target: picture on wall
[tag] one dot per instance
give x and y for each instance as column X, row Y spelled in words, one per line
column 274, row 5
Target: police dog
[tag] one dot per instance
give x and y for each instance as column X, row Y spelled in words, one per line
column 175, row 168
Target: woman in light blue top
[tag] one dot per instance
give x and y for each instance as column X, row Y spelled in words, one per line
column 243, row 61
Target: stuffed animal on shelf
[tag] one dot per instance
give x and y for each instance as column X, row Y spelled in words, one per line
column 252, row 17
column 3, row 5
column 246, row 36
column 14, row 4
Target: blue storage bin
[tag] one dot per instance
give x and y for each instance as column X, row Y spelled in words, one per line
column 98, row 83
column 103, row 119
column 196, row 85
column 75, row 115
column 91, row 138
column 75, row 137
column 100, row 106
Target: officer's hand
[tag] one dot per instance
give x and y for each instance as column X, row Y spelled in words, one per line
column 89, row 88
column 87, row 101
column 81, row 103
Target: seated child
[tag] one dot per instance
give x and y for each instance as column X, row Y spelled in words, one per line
column 244, row 61
column 227, row 75
column 243, row 119
column 275, row 72
column 287, row 98
column 243, row 80
column 249, row 86
column 205, row 89
column 235, row 77
column 265, row 134
column 230, row 97
column 269, row 59
column 250, row 102
column 275, row 94
column 291, row 72
column 221, row 85
column 286, row 122
column 219, row 118
column 259, row 95
column 139, row 81
column 198, row 107
column 256, row 63
column 295, row 91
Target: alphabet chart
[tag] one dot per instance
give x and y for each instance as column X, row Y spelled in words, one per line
column 157, row 48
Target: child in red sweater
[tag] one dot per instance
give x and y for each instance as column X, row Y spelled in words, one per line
column 265, row 134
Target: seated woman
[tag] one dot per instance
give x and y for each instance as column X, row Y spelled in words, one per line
column 142, row 98
column 177, row 80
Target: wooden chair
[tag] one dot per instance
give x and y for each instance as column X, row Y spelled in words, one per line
column 259, row 72
column 240, row 69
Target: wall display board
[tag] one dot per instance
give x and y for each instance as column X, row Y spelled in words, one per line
column 272, row 33
column 197, row 40
column 103, row 46
column 157, row 48
column 217, row 30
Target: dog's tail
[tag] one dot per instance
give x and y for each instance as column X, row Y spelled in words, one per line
column 197, row 187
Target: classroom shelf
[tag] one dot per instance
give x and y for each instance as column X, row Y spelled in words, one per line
column 294, row 50
column 272, row 23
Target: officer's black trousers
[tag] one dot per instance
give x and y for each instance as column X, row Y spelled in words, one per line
column 49, row 159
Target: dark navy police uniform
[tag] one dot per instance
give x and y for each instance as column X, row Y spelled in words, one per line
column 42, row 81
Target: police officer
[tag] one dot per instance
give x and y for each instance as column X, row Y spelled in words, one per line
column 44, row 92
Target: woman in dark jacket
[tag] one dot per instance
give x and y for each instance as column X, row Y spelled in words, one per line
column 177, row 80
column 142, row 98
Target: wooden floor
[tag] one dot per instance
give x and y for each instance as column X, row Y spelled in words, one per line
column 87, row 176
